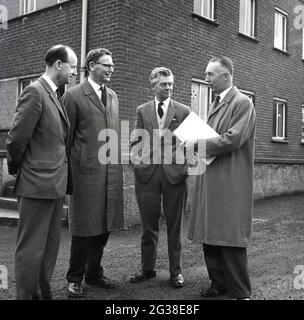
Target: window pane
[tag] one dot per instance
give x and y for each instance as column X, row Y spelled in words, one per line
column 280, row 31
column 247, row 15
column 204, row 8
column 280, row 120
column 200, row 99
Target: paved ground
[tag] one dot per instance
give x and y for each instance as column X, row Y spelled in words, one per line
column 277, row 248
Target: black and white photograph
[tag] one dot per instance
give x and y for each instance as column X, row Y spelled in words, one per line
column 152, row 153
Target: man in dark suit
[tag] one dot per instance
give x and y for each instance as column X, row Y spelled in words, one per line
column 160, row 176
column 37, row 155
column 97, row 201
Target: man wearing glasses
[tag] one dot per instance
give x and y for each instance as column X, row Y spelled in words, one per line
column 37, row 156
column 97, row 201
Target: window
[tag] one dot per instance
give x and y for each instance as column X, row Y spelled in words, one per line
column 249, row 94
column 280, row 30
column 279, row 117
column 247, row 17
column 302, row 126
column 23, row 83
column 204, row 8
column 27, row 6
column 303, row 43
column 201, row 97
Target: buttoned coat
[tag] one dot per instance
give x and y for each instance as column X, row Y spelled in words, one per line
column 97, row 201
column 37, row 144
column 222, row 204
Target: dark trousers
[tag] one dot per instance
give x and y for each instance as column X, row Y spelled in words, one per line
column 85, row 259
column 149, row 196
column 228, row 270
column 38, row 239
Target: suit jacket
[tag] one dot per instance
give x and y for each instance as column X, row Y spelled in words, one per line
column 97, row 202
column 36, row 144
column 153, row 149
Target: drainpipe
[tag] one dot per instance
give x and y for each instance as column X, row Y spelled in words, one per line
column 83, row 39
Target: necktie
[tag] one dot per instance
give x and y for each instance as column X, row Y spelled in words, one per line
column 103, row 95
column 58, row 95
column 216, row 101
column 160, row 110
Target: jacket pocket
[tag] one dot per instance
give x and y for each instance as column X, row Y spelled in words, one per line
column 41, row 164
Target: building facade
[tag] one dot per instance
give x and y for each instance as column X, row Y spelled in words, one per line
column 264, row 39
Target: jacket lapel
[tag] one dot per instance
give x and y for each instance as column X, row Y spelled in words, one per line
column 89, row 91
column 226, row 100
column 170, row 113
column 55, row 99
column 152, row 114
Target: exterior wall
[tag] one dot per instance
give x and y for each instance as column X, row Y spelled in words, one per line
column 277, row 179
column 12, row 7
column 143, row 34
column 166, row 33
column 27, row 39
column 8, row 94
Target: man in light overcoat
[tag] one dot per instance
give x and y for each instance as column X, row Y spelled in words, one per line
column 97, row 201
column 222, row 204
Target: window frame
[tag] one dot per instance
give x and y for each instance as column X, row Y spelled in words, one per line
column 276, row 137
column 249, row 94
column 284, row 15
column 302, row 124
column 25, row 4
column 200, row 3
column 252, row 19
column 210, row 97
column 21, row 81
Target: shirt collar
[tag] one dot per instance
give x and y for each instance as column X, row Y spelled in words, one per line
column 50, row 82
column 223, row 94
column 94, row 84
column 165, row 102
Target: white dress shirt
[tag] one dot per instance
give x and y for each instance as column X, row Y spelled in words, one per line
column 223, row 94
column 96, row 87
column 50, row 82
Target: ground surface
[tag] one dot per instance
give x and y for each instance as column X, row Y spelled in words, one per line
column 277, row 248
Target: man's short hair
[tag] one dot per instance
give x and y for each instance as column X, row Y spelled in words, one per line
column 58, row 52
column 94, row 55
column 159, row 71
column 225, row 62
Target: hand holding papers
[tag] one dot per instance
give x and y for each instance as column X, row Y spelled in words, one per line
column 194, row 128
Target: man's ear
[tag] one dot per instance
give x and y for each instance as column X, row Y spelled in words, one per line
column 58, row 64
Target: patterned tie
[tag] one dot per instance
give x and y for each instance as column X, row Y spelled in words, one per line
column 160, row 110
column 103, row 95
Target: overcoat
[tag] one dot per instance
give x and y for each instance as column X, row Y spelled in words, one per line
column 97, row 200
column 222, row 204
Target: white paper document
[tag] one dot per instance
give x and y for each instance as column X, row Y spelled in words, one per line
column 194, row 128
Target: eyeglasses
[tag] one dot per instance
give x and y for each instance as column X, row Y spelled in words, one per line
column 109, row 66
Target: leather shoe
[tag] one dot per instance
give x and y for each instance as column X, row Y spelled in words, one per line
column 101, row 282
column 75, row 289
column 143, row 276
column 177, row 280
column 212, row 292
